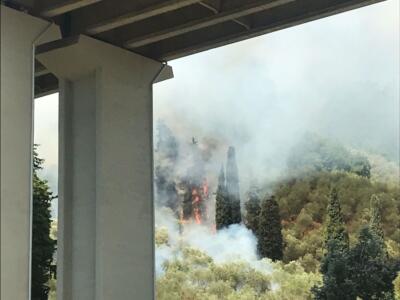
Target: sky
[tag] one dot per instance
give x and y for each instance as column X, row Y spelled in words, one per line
column 338, row 77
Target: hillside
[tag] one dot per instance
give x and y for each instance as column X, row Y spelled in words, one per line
column 191, row 258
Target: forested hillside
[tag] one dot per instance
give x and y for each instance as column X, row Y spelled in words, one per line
column 315, row 167
column 335, row 207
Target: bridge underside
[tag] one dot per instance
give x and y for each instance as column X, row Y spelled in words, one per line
column 169, row 29
column 103, row 56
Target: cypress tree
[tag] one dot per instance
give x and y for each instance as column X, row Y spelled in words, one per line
column 376, row 219
column 336, row 228
column 43, row 246
column 232, row 186
column 270, row 241
column 222, row 205
column 253, row 209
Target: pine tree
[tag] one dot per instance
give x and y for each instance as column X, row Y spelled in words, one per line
column 43, row 246
column 232, row 186
column 336, row 228
column 270, row 241
column 253, row 209
column 222, row 205
column 335, row 268
column 372, row 271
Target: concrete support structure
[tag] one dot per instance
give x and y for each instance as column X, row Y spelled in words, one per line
column 18, row 33
column 106, row 247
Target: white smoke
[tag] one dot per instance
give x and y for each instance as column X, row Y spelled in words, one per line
column 262, row 95
column 235, row 243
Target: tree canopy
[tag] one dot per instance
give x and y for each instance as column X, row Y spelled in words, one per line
column 43, row 246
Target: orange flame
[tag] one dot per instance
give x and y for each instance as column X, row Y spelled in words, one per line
column 197, row 216
column 196, row 202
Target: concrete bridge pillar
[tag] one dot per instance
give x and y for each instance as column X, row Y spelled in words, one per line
column 18, row 33
column 106, row 249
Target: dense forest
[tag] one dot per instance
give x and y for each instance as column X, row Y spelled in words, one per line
column 328, row 228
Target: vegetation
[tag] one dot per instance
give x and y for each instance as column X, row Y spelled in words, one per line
column 397, row 287
column 166, row 150
column 253, row 210
column 376, row 220
column 334, row 223
column 371, row 270
column 232, row 186
column 336, row 275
column 315, row 154
column 303, row 205
column 43, row 246
column 193, row 275
column 270, row 244
column 336, row 229
column 222, row 205
column 227, row 202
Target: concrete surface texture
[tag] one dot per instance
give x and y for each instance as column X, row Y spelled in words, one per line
column 18, row 32
column 105, row 193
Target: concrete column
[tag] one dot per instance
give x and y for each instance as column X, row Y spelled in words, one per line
column 106, row 247
column 18, row 32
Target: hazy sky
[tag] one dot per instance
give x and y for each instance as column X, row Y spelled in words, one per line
column 338, row 76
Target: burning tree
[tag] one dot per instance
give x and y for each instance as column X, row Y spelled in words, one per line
column 196, row 189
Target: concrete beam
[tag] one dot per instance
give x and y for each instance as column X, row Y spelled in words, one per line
column 262, row 23
column 205, row 22
column 45, row 85
column 106, row 246
column 64, row 7
column 133, row 17
column 210, row 7
column 18, row 31
column 40, row 70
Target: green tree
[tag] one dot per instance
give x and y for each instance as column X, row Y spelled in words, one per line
column 336, row 228
column 222, row 205
column 337, row 283
column 270, row 241
column 253, row 209
column 372, row 272
column 376, row 219
column 43, row 246
column 232, row 186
